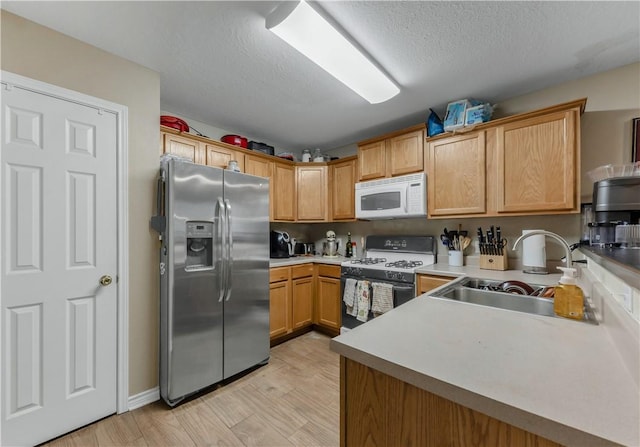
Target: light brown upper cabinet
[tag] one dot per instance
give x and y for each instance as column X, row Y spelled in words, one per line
column 405, row 153
column 342, row 181
column 372, row 160
column 261, row 167
column 283, row 185
column 456, row 180
column 257, row 166
column 312, row 193
column 519, row 165
column 220, row 156
column 538, row 163
column 183, row 147
column 397, row 153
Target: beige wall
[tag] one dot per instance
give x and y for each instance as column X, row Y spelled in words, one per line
column 617, row 89
column 40, row 53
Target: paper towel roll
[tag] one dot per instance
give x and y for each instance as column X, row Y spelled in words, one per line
column 533, row 250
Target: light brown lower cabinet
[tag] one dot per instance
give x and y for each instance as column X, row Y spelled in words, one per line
column 328, row 298
column 426, row 283
column 379, row 410
column 301, row 297
column 290, row 299
column 279, row 302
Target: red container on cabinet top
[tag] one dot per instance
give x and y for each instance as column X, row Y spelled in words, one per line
column 236, row 140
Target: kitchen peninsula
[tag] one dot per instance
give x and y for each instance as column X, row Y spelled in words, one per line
column 435, row 372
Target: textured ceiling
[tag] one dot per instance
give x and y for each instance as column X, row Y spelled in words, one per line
column 219, row 65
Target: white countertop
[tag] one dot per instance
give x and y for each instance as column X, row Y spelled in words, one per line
column 443, row 269
column 558, row 378
column 295, row 260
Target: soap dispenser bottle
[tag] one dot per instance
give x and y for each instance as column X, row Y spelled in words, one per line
column 568, row 299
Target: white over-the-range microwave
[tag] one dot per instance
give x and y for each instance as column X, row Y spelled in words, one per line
column 390, row 198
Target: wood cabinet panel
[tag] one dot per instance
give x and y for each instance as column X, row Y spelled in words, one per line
column 331, row 271
column 284, row 197
column 301, row 271
column 261, row 167
column 312, row 193
column 366, row 398
column 257, row 166
column 342, row 180
column 220, row 156
column 537, row 164
column 279, row 308
column 328, row 302
column 404, row 415
column 426, row 283
column 278, row 274
column 406, row 153
column 456, row 175
column 372, row 160
column 302, row 302
column 380, row 410
column 398, row 153
column 184, row 147
column 291, row 299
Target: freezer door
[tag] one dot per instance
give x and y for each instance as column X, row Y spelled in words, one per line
column 191, row 329
column 246, row 305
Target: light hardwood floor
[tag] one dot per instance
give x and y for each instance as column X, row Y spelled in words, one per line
column 292, row 401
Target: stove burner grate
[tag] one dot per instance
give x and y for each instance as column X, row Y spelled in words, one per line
column 404, row 264
column 369, row 261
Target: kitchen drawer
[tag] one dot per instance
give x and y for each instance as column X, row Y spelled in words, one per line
column 278, row 274
column 332, row 271
column 430, row 282
column 301, row 271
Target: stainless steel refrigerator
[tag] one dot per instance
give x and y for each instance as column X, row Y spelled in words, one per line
column 214, row 275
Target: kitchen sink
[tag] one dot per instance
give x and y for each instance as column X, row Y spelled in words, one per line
column 482, row 292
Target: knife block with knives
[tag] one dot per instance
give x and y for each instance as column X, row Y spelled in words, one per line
column 493, row 250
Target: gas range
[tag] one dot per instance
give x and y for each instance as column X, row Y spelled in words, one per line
column 392, row 258
column 389, row 266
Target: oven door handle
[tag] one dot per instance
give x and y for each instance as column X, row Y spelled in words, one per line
column 403, row 287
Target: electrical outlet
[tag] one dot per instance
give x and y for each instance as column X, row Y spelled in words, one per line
column 627, row 298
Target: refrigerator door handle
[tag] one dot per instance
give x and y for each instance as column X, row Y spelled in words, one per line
column 159, row 221
column 229, row 261
column 220, row 244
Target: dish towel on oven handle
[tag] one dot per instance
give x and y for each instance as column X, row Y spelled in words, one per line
column 382, row 298
column 349, row 296
column 362, row 297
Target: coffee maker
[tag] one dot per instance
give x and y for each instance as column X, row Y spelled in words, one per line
column 280, row 244
column 616, row 201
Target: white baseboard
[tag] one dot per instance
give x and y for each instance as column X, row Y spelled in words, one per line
column 144, row 398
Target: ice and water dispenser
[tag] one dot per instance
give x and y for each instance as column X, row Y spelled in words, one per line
column 199, row 246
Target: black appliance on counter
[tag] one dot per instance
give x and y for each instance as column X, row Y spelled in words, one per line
column 279, row 244
column 616, row 201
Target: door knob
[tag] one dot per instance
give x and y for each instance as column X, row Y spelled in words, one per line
column 105, row 280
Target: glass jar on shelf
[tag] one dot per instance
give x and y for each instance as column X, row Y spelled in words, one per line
column 317, row 155
column 306, row 155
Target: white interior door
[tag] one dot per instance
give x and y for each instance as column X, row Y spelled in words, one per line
column 59, row 237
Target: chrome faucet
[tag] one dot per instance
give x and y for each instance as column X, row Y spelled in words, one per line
column 567, row 249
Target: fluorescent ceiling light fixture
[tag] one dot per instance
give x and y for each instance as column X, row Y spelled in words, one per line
column 298, row 24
